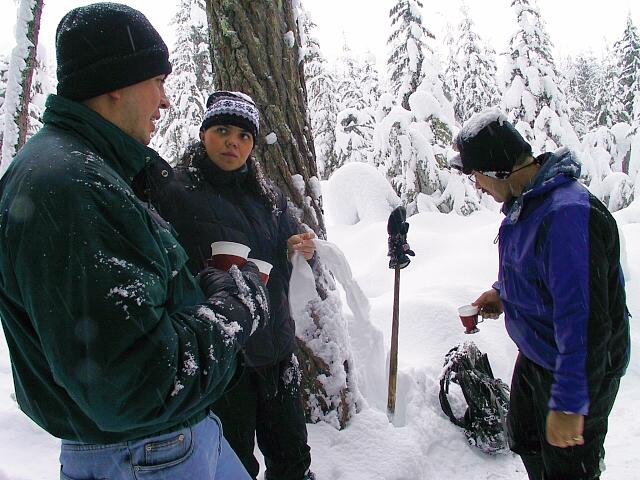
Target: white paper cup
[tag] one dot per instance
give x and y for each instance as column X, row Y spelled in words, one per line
column 226, row 254
column 263, row 267
column 469, row 317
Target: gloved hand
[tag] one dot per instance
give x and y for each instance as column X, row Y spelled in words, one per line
column 252, row 293
column 399, row 249
column 213, row 280
column 251, row 273
column 245, row 284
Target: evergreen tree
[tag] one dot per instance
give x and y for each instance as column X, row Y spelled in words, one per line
column 41, row 86
column 355, row 118
column 452, row 69
column 371, row 88
column 189, row 84
column 609, row 107
column 582, row 83
column 411, row 144
column 415, row 122
column 4, row 71
column 533, row 100
column 406, row 45
column 605, row 154
column 627, row 55
column 477, row 86
column 321, row 98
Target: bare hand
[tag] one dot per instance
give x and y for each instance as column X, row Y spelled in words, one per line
column 302, row 243
column 565, row 429
column 490, row 304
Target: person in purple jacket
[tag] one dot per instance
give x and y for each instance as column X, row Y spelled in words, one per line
column 561, row 288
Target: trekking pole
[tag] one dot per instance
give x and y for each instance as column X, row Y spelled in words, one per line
column 399, row 249
column 393, row 357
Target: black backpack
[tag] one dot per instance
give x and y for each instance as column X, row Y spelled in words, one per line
column 487, row 398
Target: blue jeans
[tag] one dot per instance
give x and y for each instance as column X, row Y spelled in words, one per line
column 199, row 452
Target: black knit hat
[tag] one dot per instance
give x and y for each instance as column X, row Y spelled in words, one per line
column 488, row 143
column 232, row 108
column 106, row 46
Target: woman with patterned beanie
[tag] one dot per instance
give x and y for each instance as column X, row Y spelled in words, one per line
column 218, row 193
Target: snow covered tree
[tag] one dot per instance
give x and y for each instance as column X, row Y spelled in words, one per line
column 4, row 70
column 415, row 121
column 627, row 54
column 452, row 68
column 321, row 98
column 258, row 51
column 189, row 84
column 355, row 118
column 605, row 154
column 406, row 44
column 41, row 86
column 411, row 144
column 20, row 77
column 533, row 100
column 609, row 107
column 477, row 87
column 582, row 85
column 371, row 86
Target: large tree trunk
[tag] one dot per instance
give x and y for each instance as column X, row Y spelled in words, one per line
column 255, row 48
column 253, row 51
column 20, row 76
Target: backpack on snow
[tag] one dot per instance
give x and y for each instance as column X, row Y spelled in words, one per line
column 484, row 421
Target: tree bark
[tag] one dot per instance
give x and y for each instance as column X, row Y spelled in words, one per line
column 253, row 51
column 255, row 48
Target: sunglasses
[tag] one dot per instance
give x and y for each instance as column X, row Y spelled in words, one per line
column 500, row 175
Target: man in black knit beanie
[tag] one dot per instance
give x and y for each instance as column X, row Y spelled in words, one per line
column 115, row 348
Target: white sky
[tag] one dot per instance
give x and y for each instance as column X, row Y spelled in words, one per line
column 573, row 25
column 159, row 13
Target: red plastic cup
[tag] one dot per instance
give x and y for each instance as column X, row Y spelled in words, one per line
column 263, row 267
column 226, row 254
column 469, row 318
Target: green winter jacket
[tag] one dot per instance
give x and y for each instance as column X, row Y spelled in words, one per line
column 110, row 337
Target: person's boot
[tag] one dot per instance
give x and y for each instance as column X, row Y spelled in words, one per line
column 309, row 476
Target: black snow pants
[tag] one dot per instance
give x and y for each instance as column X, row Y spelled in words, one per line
column 266, row 403
column 526, row 422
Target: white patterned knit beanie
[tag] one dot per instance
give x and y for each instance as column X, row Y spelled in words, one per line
column 232, row 108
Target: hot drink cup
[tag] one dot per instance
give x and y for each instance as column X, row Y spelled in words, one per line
column 226, row 254
column 469, row 318
column 263, row 267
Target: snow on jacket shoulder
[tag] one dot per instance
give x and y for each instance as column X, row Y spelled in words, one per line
column 110, row 337
column 562, row 285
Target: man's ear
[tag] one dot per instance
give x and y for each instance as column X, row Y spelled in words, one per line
column 201, row 136
column 115, row 94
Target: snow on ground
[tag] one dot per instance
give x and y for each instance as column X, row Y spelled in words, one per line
column 455, row 261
